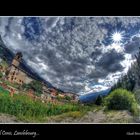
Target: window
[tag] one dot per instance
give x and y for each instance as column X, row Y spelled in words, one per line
column 20, row 81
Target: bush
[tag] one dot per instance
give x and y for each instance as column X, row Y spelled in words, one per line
column 1, row 75
column 121, row 99
column 68, row 98
column 134, row 109
column 137, row 95
column 35, row 85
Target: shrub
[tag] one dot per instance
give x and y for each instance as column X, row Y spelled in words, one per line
column 134, row 109
column 68, row 98
column 1, row 75
column 121, row 99
column 36, row 85
column 137, row 95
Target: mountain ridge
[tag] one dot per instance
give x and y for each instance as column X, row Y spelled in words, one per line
column 91, row 97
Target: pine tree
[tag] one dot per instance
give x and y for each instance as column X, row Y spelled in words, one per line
column 132, row 78
column 99, row 100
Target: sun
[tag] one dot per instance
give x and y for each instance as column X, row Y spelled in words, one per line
column 117, row 37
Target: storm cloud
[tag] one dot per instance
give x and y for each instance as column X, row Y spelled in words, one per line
column 66, row 51
column 110, row 61
column 132, row 46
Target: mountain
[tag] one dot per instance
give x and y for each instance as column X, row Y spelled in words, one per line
column 90, row 98
column 8, row 56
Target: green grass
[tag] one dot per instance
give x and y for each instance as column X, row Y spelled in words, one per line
column 4, row 91
column 74, row 115
column 15, row 85
column 4, row 63
column 69, row 115
column 26, row 109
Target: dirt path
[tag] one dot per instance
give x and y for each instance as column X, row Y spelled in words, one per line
column 5, row 118
column 97, row 117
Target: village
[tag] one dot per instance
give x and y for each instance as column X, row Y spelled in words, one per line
column 13, row 80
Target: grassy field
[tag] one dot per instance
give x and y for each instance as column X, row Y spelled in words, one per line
column 25, row 109
column 4, row 91
column 29, row 110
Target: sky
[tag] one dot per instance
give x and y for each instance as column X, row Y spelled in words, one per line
column 75, row 54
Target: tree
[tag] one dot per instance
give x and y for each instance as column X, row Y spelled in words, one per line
column 128, row 81
column 132, row 79
column 99, row 100
column 35, row 85
column 67, row 98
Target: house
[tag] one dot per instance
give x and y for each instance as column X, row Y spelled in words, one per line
column 74, row 97
column 45, row 89
column 2, row 70
column 15, row 74
column 11, row 89
column 31, row 91
column 61, row 95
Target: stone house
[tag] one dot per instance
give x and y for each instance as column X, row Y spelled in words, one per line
column 72, row 96
column 15, row 74
column 2, row 68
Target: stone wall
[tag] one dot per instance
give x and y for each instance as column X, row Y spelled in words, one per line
column 16, row 75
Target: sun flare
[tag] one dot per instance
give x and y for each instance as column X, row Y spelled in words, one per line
column 117, row 37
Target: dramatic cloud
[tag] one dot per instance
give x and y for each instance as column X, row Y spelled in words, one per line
column 110, row 61
column 70, row 51
column 132, row 47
